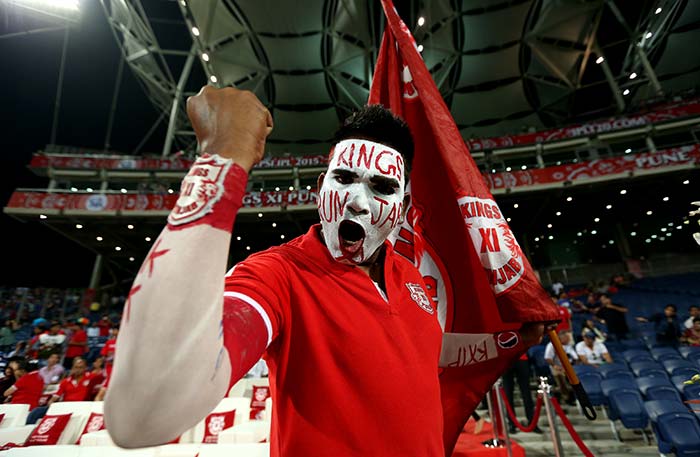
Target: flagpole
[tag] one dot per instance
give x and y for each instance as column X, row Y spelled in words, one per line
column 581, row 394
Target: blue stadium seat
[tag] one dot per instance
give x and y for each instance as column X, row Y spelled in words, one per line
column 686, row 351
column 679, row 382
column 681, row 431
column 628, row 406
column 607, row 386
column 673, row 366
column 610, row 367
column 665, row 393
column 637, row 343
column 638, row 366
column 581, row 368
column 692, row 392
column 694, row 357
column 646, row 383
column 633, row 355
column 656, row 408
column 626, row 376
column 653, row 372
column 590, row 381
column 665, row 352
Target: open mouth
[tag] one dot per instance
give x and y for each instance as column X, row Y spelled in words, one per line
column 351, row 235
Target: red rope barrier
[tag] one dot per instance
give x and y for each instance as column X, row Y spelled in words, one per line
column 565, row 420
column 535, row 417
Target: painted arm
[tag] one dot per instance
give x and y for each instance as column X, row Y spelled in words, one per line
column 180, row 345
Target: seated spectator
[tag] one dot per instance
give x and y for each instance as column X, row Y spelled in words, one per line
column 52, row 341
column 9, row 379
column 19, row 351
column 591, row 352
column 109, row 348
column 564, row 300
column 666, row 326
column 76, row 387
column 691, row 336
column 7, row 336
column 567, row 393
column 52, row 372
column 564, row 315
column 77, row 343
column 613, row 316
column 589, row 326
column 694, row 312
column 34, row 345
column 28, row 388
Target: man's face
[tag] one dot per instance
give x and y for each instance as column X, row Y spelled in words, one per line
column 696, row 326
column 79, row 367
column 669, row 311
column 54, row 329
column 361, row 199
column 565, row 338
column 52, row 360
column 695, row 311
column 589, row 340
column 605, row 301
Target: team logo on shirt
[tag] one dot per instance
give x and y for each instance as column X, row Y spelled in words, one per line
column 507, row 340
column 46, row 425
column 201, row 189
column 419, row 296
column 216, row 424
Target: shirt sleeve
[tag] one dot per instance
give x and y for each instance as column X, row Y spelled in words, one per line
column 61, row 389
column 262, row 282
column 549, row 351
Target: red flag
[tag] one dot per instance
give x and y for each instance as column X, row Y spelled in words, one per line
column 484, row 287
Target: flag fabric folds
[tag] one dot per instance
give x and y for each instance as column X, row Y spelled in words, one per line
column 476, row 273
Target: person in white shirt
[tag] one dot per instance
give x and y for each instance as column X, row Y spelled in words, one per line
column 557, row 288
column 567, row 393
column 592, row 352
column 694, row 312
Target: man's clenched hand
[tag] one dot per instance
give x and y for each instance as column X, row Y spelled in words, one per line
column 231, row 123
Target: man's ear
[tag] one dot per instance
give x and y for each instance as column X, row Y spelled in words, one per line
column 319, row 181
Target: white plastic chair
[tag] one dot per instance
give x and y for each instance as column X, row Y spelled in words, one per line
column 15, row 415
column 249, row 432
column 179, row 450
column 235, row 450
column 240, row 404
column 44, row 451
column 80, row 412
column 238, row 389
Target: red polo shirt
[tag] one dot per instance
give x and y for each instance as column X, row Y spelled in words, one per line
column 30, row 387
column 79, row 336
column 72, row 389
column 351, row 373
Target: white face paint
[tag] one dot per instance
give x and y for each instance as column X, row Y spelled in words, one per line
column 361, row 198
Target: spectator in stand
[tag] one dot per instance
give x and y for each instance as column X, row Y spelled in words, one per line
column 98, row 375
column 104, row 325
column 557, row 288
column 613, row 316
column 108, row 350
column 589, row 326
column 77, row 343
column 7, row 336
column 520, row 370
column 52, row 341
column 20, row 350
column 28, row 388
column 592, row 302
column 567, row 393
column 76, row 387
column 52, row 372
column 564, row 300
column 666, row 326
column 9, row 379
column 34, row 344
column 694, row 312
column 591, row 352
column 691, row 336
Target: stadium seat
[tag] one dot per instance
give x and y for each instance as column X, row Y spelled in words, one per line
column 674, row 366
column 692, row 392
column 581, row 368
column 249, row 432
column 664, row 353
column 237, row 450
column 666, row 393
column 240, row 404
column 55, row 451
column 653, row 372
column 638, row 366
column 694, row 357
column 682, row 431
column 619, row 374
column 686, row 351
column 679, row 382
column 656, row 408
column 633, row 355
column 633, row 344
column 15, row 415
column 238, row 389
column 647, row 382
column 609, row 369
column 590, row 381
column 629, row 408
column 607, row 386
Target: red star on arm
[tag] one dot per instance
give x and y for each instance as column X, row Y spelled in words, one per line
column 152, row 256
column 127, row 305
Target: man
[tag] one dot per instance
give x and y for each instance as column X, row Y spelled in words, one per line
column 109, row 349
column 666, row 326
column 77, row 343
column 76, row 387
column 694, row 312
column 28, row 388
column 520, row 372
column 592, row 352
column 567, row 393
column 52, row 341
column 613, row 316
column 53, row 371
column 334, row 304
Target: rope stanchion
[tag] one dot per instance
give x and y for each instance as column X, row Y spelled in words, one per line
column 535, row 417
column 572, row 431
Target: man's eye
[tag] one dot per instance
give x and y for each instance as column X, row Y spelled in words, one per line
column 385, row 189
column 343, row 179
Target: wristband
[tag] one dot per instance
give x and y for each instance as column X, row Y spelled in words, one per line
column 211, row 194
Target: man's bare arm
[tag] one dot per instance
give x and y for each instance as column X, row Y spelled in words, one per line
column 171, row 367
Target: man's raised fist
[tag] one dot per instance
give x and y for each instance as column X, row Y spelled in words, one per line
column 231, row 123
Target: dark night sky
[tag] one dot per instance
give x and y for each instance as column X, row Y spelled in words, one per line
column 31, row 253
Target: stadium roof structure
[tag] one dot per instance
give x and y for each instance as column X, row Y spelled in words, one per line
column 503, row 66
